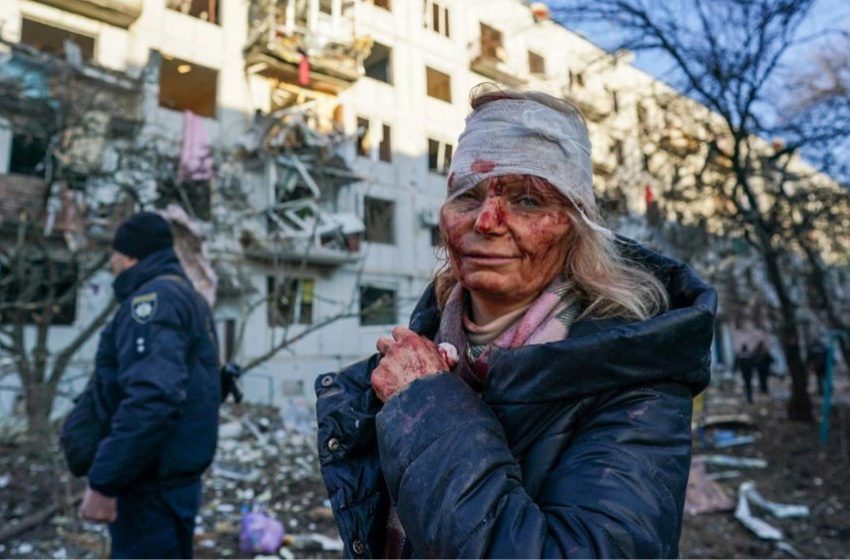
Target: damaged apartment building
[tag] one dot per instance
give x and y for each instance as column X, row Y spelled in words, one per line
column 300, row 147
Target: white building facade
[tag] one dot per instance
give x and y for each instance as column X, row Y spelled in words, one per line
column 405, row 106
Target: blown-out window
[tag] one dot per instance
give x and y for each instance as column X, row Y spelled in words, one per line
column 377, row 306
column 379, row 219
column 185, row 86
column 290, row 301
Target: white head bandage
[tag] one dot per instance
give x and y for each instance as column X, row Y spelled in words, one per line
column 523, row 137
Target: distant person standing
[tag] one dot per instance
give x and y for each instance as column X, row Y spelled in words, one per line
column 746, row 362
column 145, row 428
column 763, row 361
column 817, row 363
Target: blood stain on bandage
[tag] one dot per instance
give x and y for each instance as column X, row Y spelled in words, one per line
column 451, row 181
column 483, row 166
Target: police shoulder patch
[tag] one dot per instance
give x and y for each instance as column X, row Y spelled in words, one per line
column 143, row 308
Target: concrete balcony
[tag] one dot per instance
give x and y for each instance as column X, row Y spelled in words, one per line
column 121, row 13
column 495, row 69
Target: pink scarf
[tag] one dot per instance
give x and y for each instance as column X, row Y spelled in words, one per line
column 548, row 319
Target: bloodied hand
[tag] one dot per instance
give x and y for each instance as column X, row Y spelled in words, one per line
column 405, row 357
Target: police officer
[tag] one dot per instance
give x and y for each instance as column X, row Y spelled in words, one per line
column 154, row 399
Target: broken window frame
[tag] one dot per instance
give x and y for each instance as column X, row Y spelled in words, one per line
column 291, row 300
column 193, row 8
column 491, row 42
column 34, row 38
column 373, row 313
column 439, row 156
column 29, row 167
column 441, row 90
column 384, row 74
column 379, row 220
column 208, row 108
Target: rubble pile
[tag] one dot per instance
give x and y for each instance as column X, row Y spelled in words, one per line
column 265, row 463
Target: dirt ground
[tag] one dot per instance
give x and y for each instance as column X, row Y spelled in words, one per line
column 800, row 471
column 263, row 463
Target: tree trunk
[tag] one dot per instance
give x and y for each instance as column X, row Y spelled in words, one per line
column 39, row 405
column 799, row 405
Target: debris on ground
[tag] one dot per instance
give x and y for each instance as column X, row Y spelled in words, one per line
column 267, row 461
column 264, row 463
column 705, row 495
column 730, row 461
column 785, row 460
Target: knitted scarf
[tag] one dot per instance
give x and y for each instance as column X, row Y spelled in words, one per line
column 547, row 319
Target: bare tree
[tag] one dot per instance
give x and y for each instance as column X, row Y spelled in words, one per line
column 58, row 218
column 729, row 55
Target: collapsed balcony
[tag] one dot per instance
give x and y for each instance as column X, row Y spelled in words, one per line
column 308, row 42
column 305, row 163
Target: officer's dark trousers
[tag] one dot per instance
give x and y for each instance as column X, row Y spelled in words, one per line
column 156, row 523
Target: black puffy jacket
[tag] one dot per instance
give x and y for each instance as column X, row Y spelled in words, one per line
column 578, row 448
column 149, row 416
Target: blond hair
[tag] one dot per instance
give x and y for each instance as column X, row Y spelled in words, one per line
column 607, row 283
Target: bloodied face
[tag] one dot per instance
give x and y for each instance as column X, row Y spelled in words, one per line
column 506, row 237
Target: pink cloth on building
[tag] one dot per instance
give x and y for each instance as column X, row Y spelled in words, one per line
column 195, row 156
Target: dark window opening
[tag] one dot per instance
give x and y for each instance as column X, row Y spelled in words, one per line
column 326, row 6
column 362, row 137
column 378, row 65
column 49, row 39
column 379, row 219
column 642, row 114
column 436, row 237
column 385, row 150
column 184, row 86
column 33, row 283
column 377, row 306
column 385, row 4
column 435, row 14
column 619, row 152
column 193, row 195
column 27, row 155
column 576, row 78
column 206, row 10
column 536, row 63
column 491, row 43
column 290, row 301
column 439, row 156
column 439, row 85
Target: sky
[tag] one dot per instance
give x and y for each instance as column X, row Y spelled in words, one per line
column 826, row 13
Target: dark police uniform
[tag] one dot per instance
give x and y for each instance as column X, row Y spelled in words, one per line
column 154, row 399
